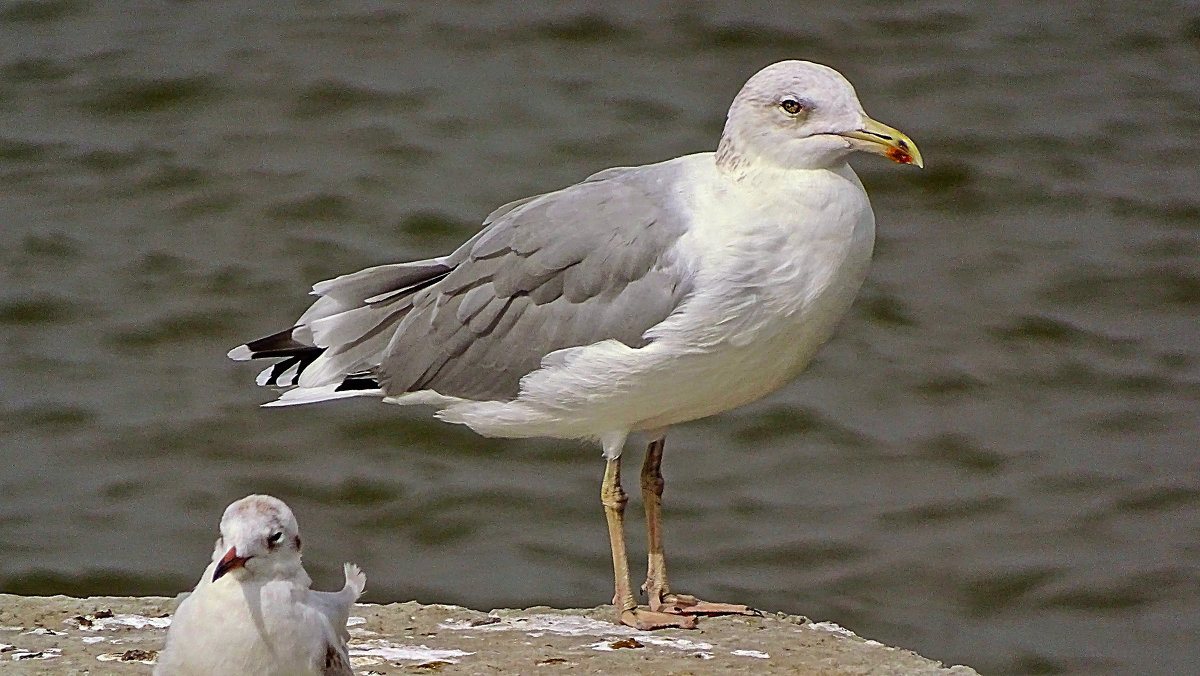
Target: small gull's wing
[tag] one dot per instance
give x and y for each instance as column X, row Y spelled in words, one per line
column 584, row 264
column 337, row 661
column 335, row 606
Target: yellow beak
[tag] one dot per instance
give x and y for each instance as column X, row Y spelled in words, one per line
column 880, row 139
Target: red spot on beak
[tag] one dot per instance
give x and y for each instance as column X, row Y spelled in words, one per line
column 900, row 155
column 228, row 562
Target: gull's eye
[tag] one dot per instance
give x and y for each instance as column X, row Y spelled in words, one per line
column 791, row 106
column 274, row 539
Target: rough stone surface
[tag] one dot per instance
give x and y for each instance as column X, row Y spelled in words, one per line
column 115, row 635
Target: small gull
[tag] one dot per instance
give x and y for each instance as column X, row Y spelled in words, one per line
column 253, row 611
column 640, row 298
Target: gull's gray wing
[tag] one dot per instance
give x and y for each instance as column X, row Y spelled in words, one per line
column 587, row 263
column 569, row 268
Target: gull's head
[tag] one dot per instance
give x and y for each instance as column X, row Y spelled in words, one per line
column 259, row 538
column 802, row 115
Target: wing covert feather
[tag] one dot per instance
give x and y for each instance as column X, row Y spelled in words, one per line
column 587, row 263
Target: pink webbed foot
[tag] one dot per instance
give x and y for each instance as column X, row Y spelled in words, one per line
column 647, row 620
column 683, row 604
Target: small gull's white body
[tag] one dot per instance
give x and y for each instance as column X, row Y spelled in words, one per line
column 253, row 612
column 640, row 298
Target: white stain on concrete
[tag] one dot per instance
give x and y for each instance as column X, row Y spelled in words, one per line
column 614, row 643
column 675, row 643
column 131, row 657
column 832, row 627
column 577, row 625
column 608, row 646
column 47, row 654
column 537, row 625
column 113, row 622
column 386, row 650
column 42, row 631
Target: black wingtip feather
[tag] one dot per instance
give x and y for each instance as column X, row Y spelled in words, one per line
column 278, row 345
column 357, row 382
column 307, row 352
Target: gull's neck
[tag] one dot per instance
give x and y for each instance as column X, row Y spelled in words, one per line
column 730, row 159
column 289, row 569
column 742, row 165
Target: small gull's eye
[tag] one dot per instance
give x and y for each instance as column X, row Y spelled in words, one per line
column 274, row 539
column 791, row 106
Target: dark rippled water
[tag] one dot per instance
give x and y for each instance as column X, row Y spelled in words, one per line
column 994, row 462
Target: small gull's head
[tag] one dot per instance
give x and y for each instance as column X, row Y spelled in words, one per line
column 259, row 538
column 802, row 115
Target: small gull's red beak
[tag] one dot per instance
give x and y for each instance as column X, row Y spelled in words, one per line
column 228, row 562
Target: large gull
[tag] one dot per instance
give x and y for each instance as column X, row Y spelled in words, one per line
column 640, row 298
column 252, row 611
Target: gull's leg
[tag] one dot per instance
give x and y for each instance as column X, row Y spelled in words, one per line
column 656, row 587
column 628, row 613
column 652, row 487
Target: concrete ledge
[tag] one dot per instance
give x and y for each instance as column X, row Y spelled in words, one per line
column 121, row 635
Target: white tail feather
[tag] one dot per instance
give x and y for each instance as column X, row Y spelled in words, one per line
column 308, row 395
column 240, row 353
column 355, row 579
column 285, row 379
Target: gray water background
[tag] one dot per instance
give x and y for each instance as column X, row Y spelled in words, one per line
column 994, row 462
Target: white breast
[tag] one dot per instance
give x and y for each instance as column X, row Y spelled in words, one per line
column 215, row 630
column 771, row 289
